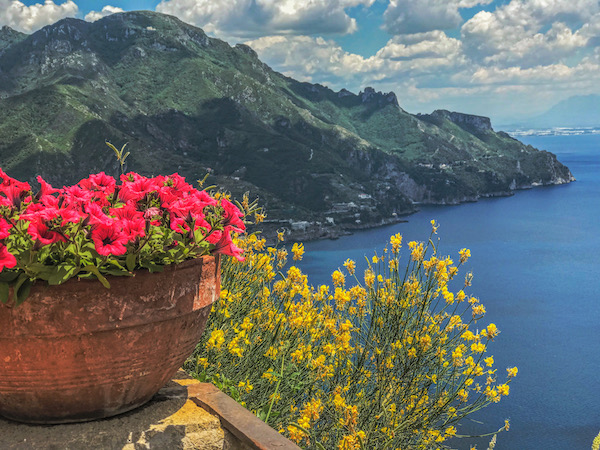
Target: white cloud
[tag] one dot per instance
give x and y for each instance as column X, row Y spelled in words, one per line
column 92, row 16
column 530, row 33
column 255, row 18
column 410, row 16
column 24, row 18
column 311, row 59
column 427, row 57
column 431, row 45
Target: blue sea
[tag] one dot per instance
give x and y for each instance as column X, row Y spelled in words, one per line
column 536, row 265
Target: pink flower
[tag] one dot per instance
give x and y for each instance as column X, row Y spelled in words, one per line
column 6, row 258
column 14, row 194
column 109, row 240
column 128, row 211
column 38, row 230
column 233, row 216
column 99, row 182
column 226, row 246
column 97, row 216
column 46, row 188
column 4, row 229
column 134, row 228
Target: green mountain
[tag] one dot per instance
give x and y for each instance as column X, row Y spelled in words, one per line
column 189, row 103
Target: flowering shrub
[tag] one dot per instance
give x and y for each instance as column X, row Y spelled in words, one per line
column 389, row 360
column 99, row 227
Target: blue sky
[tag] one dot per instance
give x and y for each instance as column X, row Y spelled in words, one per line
column 505, row 58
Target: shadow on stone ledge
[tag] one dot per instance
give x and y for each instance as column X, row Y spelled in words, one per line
column 169, row 421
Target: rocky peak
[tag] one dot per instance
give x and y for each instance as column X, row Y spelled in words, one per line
column 479, row 123
column 247, row 50
column 8, row 36
column 369, row 95
column 344, row 93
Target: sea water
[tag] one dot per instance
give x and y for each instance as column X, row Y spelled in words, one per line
column 536, row 265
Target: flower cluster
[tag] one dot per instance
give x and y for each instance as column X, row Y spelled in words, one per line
column 395, row 358
column 100, row 227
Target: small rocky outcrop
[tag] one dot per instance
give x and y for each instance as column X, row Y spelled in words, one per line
column 479, row 123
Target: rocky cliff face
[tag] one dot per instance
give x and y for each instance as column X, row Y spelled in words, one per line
column 468, row 121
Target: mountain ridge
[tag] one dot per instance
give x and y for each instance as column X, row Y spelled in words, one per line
column 190, row 103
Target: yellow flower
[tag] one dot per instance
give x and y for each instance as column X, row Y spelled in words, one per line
column 350, row 266
column 469, row 336
column 478, row 310
column 491, row 331
column 245, row 385
column 503, row 389
column 512, row 371
column 271, row 353
column 478, row 347
column 396, row 241
column 338, row 278
column 464, row 254
column 298, row 251
column 216, row 340
column 202, row 362
column 489, row 361
column 450, row 431
column 369, row 278
column 434, row 226
column 417, row 250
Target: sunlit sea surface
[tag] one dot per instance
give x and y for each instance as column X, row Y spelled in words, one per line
column 536, row 262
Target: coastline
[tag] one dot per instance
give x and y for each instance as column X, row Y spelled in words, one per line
column 306, row 231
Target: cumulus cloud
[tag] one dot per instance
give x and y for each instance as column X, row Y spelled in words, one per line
column 530, row 33
column 409, row 16
column 24, row 18
column 420, row 57
column 255, row 18
column 92, row 16
column 311, row 59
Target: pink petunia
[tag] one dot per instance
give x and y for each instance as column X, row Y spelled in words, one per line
column 226, row 246
column 4, row 229
column 109, row 240
column 38, row 230
column 233, row 216
column 99, row 182
column 7, row 259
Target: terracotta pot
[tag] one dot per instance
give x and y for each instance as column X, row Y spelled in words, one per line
column 78, row 351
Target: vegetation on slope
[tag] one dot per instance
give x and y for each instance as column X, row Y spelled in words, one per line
column 192, row 104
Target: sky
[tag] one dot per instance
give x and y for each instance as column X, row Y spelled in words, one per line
column 505, row 59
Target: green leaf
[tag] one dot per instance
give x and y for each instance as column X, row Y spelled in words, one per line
column 4, row 292
column 95, row 271
column 23, row 291
column 8, row 276
column 62, row 273
column 130, row 261
column 117, row 265
column 18, row 294
column 118, row 273
column 152, row 267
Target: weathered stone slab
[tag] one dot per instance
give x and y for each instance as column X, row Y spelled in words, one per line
column 185, row 414
column 170, row 420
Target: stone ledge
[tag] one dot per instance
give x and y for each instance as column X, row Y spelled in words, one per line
column 185, row 414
